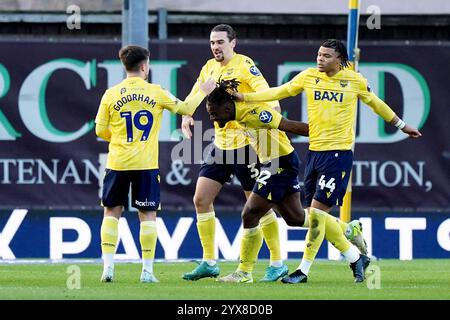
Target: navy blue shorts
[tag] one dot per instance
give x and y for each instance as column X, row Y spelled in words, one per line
column 326, row 176
column 145, row 191
column 220, row 165
column 278, row 179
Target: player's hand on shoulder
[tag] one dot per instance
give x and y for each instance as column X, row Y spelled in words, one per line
column 411, row 131
column 186, row 122
column 238, row 96
column 208, row 86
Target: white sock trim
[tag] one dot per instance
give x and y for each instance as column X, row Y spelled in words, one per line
column 147, row 264
column 276, row 263
column 210, row 262
column 108, row 260
column 352, row 254
column 304, row 266
column 205, row 216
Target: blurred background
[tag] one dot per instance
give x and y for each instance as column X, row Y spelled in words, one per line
column 58, row 57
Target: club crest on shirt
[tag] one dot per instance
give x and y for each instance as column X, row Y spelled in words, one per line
column 317, row 80
column 253, row 111
column 254, row 71
column 265, row 117
column 229, row 71
column 123, row 90
column 344, row 83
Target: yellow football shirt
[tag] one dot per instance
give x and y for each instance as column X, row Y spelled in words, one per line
column 261, row 127
column 331, row 105
column 244, row 70
column 133, row 111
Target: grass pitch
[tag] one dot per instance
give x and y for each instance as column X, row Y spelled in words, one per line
column 417, row 279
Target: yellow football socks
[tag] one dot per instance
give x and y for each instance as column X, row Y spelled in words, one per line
column 206, row 226
column 148, row 237
column 343, row 225
column 315, row 234
column 335, row 234
column 269, row 226
column 109, row 233
column 250, row 245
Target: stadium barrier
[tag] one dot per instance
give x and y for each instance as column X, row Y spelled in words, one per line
column 61, row 234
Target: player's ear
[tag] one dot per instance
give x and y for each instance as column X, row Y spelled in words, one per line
column 233, row 43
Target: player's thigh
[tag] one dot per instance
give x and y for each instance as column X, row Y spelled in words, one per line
column 246, row 168
column 247, row 174
column 279, row 179
column 145, row 190
column 254, row 209
column 116, row 186
column 291, row 210
column 206, row 190
column 215, row 168
column 332, row 177
column 309, row 179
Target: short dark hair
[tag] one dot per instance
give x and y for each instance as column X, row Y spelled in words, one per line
column 340, row 48
column 133, row 56
column 221, row 95
column 231, row 34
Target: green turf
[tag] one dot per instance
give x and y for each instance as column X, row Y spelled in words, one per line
column 418, row 279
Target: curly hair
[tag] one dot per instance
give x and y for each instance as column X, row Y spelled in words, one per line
column 224, row 92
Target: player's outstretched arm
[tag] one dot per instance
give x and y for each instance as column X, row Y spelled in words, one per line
column 409, row 130
column 296, row 127
column 206, row 87
column 191, row 103
column 384, row 111
column 271, row 94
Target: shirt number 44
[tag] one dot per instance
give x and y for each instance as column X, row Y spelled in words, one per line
column 327, row 184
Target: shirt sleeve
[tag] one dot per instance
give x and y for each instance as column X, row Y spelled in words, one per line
column 103, row 116
column 289, row 89
column 175, row 105
column 376, row 104
column 364, row 91
column 297, row 84
column 259, row 117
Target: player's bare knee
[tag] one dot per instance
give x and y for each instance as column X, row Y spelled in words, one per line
column 201, row 203
column 251, row 216
column 115, row 212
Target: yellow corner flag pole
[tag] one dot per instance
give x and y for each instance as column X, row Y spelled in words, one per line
column 353, row 56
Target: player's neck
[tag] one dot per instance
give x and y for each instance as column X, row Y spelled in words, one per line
column 332, row 72
column 135, row 75
column 224, row 62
